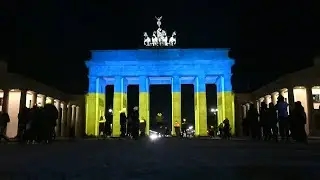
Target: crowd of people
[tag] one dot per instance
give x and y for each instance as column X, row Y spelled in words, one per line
column 35, row 125
column 129, row 126
column 274, row 120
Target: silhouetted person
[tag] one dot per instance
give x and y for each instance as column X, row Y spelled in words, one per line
column 245, row 127
column 184, row 127
column 273, row 121
column 135, row 123
column 31, row 134
column 102, row 126
column 50, row 115
column 108, row 125
column 177, row 129
column 166, row 131
column 123, row 124
column 220, row 128
column 211, row 131
column 264, row 121
column 298, row 123
column 143, row 124
column 253, row 118
column 4, row 120
column 226, row 129
column 22, row 123
column 282, row 108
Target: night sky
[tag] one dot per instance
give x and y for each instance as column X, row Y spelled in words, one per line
column 50, row 40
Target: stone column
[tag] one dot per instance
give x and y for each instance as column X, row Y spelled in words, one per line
column 63, row 119
column 23, row 100
column 267, row 99
column 310, row 124
column 34, row 99
column 95, row 103
column 200, row 106
column 43, row 100
column 221, row 100
column 58, row 121
column 225, row 99
column 77, row 122
column 291, row 99
column 119, row 103
column 5, row 100
column 144, row 103
column 176, row 102
column 274, row 98
column 69, row 119
column 257, row 105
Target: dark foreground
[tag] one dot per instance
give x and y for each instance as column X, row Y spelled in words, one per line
column 163, row 159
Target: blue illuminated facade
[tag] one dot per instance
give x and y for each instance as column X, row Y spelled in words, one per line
column 145, row 67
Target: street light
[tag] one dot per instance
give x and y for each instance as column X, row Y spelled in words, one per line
column 213, row 110
column 110, row 110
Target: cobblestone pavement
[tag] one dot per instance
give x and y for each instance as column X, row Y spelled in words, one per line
column 161, row 159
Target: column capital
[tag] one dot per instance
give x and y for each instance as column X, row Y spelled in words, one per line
column 143, row 84
column 176, row 84
column 91, row 78
column 200, row 84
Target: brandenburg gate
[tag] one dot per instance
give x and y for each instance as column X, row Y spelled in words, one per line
column 145, row 67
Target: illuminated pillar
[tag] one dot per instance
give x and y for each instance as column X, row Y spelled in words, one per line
column 58, row 121
column 291, row 99
column 5, row 100
column 73, row 117
column 244, row 111
column 267, row 99
column 23, row 100
column 274, row 97
column 225, row 99
column 144, row 103
column 176, row 102
column 77, row 122
column 310, row 109
column 34, row 99
column 63, row 119
column 200, row 105
column 16, row 102
column 95, row 103
column 69, row 117
column 119, row 102
column 41, row 100
column 49, row 100
column 257, row 106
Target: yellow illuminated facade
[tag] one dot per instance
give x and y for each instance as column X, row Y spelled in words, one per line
column 160, row 66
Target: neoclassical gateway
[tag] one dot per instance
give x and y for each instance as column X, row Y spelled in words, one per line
column 144, row 67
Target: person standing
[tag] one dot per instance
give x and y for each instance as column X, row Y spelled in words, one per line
column 253, row 118
column 177, row 129
column 123, row 123
column 4, row 120
column 264, row 121
column 273, row 121
column 282, row 108
column 299, row 120
column 143, row 127
column 135, row 123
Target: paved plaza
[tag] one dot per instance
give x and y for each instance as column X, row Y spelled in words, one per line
column 161, row 159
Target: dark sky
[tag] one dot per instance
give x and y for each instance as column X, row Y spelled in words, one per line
column 49, row 40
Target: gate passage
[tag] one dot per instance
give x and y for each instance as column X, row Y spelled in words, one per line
column 159, row 66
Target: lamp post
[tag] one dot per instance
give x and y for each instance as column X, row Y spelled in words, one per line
column 214, row 112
